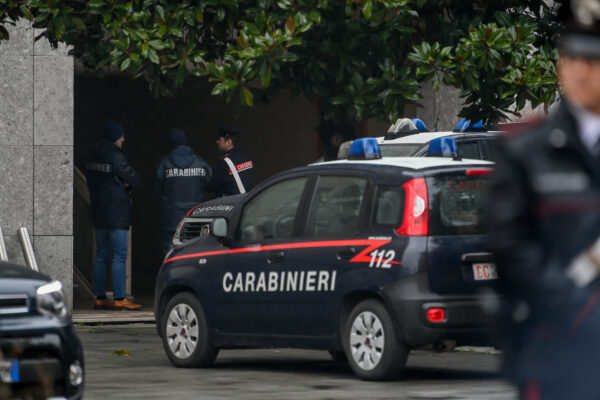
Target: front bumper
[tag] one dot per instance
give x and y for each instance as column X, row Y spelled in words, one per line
column 43, row 359
column 465, row 321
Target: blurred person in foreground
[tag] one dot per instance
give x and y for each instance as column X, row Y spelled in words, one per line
column 545, row 228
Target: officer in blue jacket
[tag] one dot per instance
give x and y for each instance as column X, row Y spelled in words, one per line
column 180, row 179
column 110, row 179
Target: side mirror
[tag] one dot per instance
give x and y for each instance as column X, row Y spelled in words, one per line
column 219, row 227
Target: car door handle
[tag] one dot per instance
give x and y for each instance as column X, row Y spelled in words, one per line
column 346, row 254
column 276, row 256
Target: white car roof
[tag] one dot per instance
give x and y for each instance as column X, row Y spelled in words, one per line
column 423, row 137
column 412, row 162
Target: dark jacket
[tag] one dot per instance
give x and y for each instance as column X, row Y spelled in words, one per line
column 180, row 179
column 544, row 211
column 223, row 182
column 107, row 172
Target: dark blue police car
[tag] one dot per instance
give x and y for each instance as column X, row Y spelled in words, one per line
column 41, row 356
column 363, row 257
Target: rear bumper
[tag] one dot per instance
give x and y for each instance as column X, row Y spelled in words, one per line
column 464, row 322
column 44, row 357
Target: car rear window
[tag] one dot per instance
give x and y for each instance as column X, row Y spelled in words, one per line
column 457, row 204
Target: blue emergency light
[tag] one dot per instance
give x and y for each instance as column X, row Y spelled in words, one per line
column 420, row 124
column 443, row 147
column 364, row 149
column 465, row 125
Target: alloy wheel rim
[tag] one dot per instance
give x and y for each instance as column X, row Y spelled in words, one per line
column 367, row 340
column 182, row 331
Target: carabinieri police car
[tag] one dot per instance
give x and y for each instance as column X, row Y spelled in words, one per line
column 368, row 257
column 411, row 138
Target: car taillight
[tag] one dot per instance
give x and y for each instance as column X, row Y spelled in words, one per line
column 436, row 314
column 477, row 172
column 416, row 210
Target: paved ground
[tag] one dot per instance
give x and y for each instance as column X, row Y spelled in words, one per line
column 272, row 374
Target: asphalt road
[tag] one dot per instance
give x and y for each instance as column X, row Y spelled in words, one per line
column 146, row 373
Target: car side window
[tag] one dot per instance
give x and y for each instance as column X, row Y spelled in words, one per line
column 272, row 213
column 336, row 206
column 389, row 205
column 469, row 150
column 489, row 147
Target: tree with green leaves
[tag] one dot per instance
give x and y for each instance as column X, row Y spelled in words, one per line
column 356, row 59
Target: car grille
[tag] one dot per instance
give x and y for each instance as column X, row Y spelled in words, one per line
column 14, row 303
column 193, row 229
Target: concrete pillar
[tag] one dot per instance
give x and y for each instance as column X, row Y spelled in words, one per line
column 36, row 150
column 439, row 109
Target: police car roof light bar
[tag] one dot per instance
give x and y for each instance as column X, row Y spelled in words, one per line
column 420, row 124
column 402, row 127
column 465, row 125
column 364, row 149
column 443, row 147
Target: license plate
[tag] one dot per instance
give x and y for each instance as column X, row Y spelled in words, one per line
column 9, row 371
column 484, row 271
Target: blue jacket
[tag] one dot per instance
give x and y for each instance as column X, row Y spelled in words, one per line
column 110, row 179
column 180, row 179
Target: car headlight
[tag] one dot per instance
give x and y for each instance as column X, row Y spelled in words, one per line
column 177, row 234
column 51, row 300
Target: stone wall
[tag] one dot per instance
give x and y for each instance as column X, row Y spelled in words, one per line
column 439, row 110
column 36, row 151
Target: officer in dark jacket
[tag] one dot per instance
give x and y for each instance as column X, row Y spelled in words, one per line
column 227, row 181
column 110, row 179
column 545, row 228
column 180, row 179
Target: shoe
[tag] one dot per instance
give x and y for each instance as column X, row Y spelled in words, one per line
column 103, row 304
column 126, row 304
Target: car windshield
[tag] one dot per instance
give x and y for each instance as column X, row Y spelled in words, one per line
column 399, row 150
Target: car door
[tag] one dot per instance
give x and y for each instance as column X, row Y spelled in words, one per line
column 329, row 241
column 249, row 280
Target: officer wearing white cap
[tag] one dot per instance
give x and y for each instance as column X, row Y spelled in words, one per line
column 234, row 172
column 545, row 227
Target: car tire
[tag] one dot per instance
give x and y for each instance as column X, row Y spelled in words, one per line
column 185, row 334
column 371, row 343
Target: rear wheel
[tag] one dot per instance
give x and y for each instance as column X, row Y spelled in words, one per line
column 371, row 343
column 185, row 334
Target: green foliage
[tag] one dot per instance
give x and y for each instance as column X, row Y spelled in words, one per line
column 498, row 66
column 357, row 58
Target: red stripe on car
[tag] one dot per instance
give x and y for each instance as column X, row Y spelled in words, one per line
column 360, row 257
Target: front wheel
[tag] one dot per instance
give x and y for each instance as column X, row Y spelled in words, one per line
column 185, row 334
column 371, row 344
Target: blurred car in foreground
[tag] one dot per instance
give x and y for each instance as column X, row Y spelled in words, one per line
column 41, row 356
